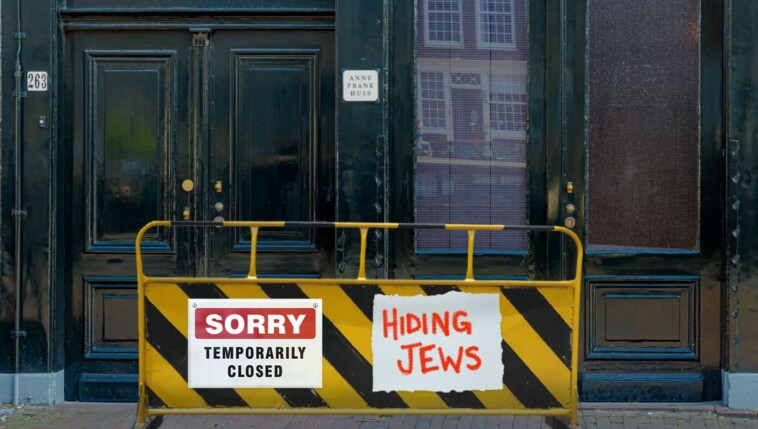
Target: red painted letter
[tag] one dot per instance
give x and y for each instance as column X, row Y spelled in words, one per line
column 426, row 359
column 410, row 348
column 471, row 353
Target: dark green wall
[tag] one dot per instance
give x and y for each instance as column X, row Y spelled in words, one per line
column 363, row 169
column 37, row 271
column 742, row 205
column 361, row 142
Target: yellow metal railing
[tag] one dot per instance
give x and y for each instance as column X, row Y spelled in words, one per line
column 573, row 284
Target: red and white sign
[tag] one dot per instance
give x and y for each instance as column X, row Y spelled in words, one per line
column 439, row 343
column 254, row 343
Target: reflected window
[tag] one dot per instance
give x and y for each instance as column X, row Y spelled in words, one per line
column 443, row 22
column 508, row 104
column 496, row 23
column 432, row 100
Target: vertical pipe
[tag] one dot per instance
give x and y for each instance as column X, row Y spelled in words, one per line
column 141, row 324
column 17, row 211
column 470, row 259
column 253, row 272
column 362, row 266
column 141, row 280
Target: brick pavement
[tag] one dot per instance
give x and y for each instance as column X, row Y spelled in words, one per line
column 592, row 416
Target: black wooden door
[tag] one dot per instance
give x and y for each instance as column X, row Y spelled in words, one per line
column 246, row 116
column 271, row 132
column 127, row 118
column 649, row 201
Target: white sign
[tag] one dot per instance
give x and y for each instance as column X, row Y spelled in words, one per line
column 36, row 81
column 360, row 85
column 254, row 343
column 440, row 343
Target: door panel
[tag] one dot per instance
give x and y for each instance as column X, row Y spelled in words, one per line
column 128, row 103
column 272, row 142
column 126, row 106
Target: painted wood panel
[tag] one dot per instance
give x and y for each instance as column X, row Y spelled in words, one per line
column 110, row 318
column 275, row 106
column 128, row 147
column 642, row 320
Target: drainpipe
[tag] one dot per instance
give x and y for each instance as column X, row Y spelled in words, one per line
column 18, row 213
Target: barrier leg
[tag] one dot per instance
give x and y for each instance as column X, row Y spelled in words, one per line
column 560, row 423
column 141, row 422
column 153, row 423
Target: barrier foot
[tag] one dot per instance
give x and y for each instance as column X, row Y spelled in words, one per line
column 560, row 423
column 152, row 423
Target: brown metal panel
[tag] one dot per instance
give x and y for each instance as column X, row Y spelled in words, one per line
column 643, row 149
column 642, row 320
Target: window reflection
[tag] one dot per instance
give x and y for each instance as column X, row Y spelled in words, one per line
column 471, row 106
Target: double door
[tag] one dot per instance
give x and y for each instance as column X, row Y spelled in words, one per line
column 198, row 124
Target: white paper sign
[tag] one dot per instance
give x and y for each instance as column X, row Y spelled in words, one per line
column 360, row 85
column 440, row 343
column 254, row 343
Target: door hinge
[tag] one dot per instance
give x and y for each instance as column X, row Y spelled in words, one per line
column 200, row 38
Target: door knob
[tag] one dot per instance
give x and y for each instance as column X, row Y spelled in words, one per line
column 219, row 186
column 569, row 222
column 188, row 185
column 219, row 206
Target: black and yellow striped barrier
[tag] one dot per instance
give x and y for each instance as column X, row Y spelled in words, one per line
column 537, row 342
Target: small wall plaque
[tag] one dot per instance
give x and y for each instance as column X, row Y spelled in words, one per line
column 360, row 86
column 36, row 81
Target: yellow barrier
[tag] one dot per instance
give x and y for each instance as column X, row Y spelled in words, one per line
column 346, row 349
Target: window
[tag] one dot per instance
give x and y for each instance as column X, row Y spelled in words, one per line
column 443, row 22
column 508, row 105
column 471, row 149
column 495, row 23
column 432, row 100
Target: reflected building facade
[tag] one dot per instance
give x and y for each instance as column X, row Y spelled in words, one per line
column 471, row 104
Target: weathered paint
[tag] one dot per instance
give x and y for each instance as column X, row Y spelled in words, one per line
column 539, row 328
column 742, row 204
column 41, row 348
column 374, row 174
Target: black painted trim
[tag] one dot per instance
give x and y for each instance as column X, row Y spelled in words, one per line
column 68, row 13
